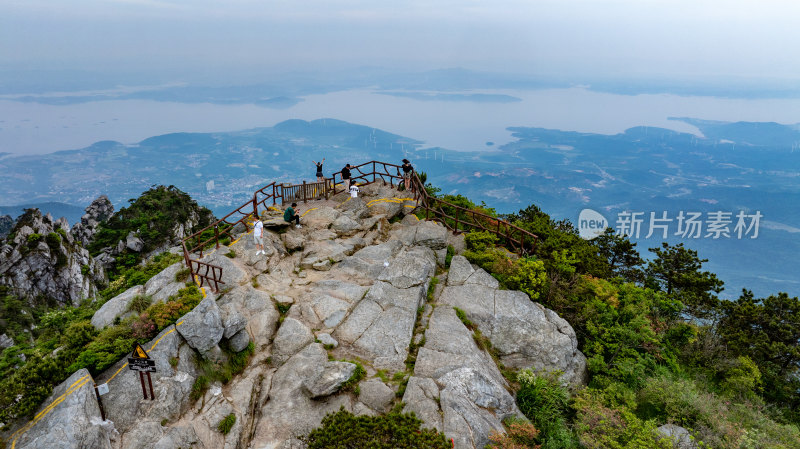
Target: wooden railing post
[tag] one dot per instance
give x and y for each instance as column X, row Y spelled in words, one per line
column 255, row 206
column 273, row 193
column 457, row 212
column 216, row 234
column 304, row 191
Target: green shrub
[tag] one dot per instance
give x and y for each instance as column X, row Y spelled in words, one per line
column 546, row 403
column 355, row 378
column 140, row 303
column 463, row 317
column 343, row 430
column 53, row 240
column 230, row 254
column 519, row 434
column 226, row 424
column 33, row 239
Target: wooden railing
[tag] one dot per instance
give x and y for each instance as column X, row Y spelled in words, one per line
column 455, row 218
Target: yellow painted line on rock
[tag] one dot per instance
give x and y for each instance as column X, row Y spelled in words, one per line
column 388, row 200
column 74, row 387
column 304, row 213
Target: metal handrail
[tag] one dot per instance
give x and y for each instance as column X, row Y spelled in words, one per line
column 367, row 173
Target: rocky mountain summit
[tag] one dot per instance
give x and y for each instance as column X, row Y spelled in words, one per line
column 41, row 258
column 99, row 211
column 359, row 309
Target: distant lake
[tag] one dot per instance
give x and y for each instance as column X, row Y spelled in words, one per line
column 445, row 120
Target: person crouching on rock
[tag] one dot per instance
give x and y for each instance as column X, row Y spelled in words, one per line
column 258, row 236
column 289, row 215
column 354, row 190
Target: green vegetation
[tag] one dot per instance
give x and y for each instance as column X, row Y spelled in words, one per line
column 355, row 378
column 343, row 430
column 152, row 217
column 210, row 371
column 226, row 424
column 546, row 402
column 138, row 275
column 660, row 346
column 519, row 434
column 64, row 340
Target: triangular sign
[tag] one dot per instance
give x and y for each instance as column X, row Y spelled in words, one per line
column 139, row 353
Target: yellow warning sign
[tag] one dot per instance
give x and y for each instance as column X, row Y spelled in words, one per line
column 139, row 353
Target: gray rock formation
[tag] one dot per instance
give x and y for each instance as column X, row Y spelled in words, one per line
column 376, row 395
column 365, row 299
column 472, row 393
column 328, row 380
column 526, row 334
column 6, row 224
column 202, row 327
column 7, row 342
column 99, row 211
column 292, row 336
column 43, row 259
column 681, row 438
column 115, row 307
column 75, row 423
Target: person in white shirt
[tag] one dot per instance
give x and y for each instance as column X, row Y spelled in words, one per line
column 354, row 191
column 258, row 236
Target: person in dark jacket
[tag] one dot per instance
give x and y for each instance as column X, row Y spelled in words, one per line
column 408, row 169
column 346, row 177
column 289, row 215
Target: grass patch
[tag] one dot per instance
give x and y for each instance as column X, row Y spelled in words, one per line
column 448, row 258
column 230, row 254
column 140, row 303
column 432, row 288
column 463, row 317
column 220, row 372
column 355, row 378
column 226, row 424
column 183, row 275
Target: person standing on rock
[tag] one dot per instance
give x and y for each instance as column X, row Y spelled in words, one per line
column 354, row 190
column 289, row 215
column 258, row 236
column 346, row 177
column 408, row 169
column 320, row 176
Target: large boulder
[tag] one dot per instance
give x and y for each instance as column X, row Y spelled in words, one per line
column 175, row 374
column 681, row 438
column 472, row 394
column 163, row 285
column 115, row 307
column 329, row 379
column 202, row 327
column 73, row 422
column 525, row 334
column 320, row 217
column 290, row 412
column 376, row 395
column 252, row 307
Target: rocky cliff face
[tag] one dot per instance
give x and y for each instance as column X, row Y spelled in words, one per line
column 6, row 223
column 99, row 211
column 42, row 258
column 356, row 288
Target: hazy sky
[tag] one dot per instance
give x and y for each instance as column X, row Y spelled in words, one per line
column 684, row 39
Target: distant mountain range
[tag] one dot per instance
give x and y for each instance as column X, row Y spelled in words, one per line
column 72, row 213
column 733, row 167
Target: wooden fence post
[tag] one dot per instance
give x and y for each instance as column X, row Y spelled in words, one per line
column 255, row 206
column 304, row 191
column 216, row 234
